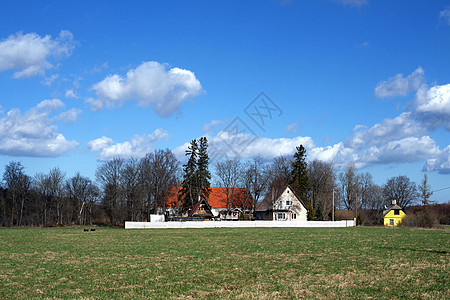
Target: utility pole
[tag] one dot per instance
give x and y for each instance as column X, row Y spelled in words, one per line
column 332, row 210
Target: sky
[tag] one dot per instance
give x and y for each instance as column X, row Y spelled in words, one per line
column 354, row 81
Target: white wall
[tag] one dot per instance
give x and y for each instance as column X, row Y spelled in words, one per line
column 228, row 224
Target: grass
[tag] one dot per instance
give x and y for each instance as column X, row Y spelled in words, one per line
column 237, row 263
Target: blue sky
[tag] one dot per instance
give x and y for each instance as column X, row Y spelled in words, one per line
column 352, row 80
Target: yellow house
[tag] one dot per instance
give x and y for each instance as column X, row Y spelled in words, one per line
column 393, row 215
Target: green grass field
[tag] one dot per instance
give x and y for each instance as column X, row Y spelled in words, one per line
column 253, row 263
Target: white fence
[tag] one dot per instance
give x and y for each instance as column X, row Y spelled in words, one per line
column 236, row 224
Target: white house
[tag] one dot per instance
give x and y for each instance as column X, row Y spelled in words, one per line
column 286, row 207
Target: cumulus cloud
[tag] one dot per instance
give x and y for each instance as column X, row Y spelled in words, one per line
column 32, row 133
column 139, row 146
column 440, row 162
column 432, row 106
column 152, row 84
column 388, row 130
column 70, row 116
column 400, row 85
column 31, row 54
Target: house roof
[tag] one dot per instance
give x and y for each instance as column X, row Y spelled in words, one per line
column 217, row 198
column 393, row 206
column 207, row 213
column 264, row 205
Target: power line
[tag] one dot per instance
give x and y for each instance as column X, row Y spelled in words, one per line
column 446, row 188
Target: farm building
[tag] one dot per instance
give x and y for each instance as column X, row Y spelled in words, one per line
column 284, row 207
column 239, row 202
column 393, row 215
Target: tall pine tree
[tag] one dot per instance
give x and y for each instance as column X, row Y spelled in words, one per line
column 189, row 192
column 196, row 176
column 299, row 175
column 203, row 174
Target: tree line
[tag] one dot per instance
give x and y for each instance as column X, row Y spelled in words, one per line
column 133, row 189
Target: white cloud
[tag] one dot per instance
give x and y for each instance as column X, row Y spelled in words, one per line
column 31, row 54
column 432, row 106
column 399, row 85
column 388, row 130
column 71, row 94
column 440, row 163
column 445, row 15
column 209, row 127
column 291, row 127
column 32, row 133
column 139, row 146
column 70, row 116
column 151, row 84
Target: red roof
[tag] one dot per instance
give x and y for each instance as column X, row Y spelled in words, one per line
column 217, row 198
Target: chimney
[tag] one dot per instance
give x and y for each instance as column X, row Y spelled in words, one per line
column 394, row 202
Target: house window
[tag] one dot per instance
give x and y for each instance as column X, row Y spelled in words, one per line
column 391, row 221
column 281, row 216
column 294, row 216
column 280, row 205
column 288, row 202
column 396, row 212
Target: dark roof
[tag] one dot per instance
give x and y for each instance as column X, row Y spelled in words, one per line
column 393, row 206
column 207, row 213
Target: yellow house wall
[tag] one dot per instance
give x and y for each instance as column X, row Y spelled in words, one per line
column 397, row 218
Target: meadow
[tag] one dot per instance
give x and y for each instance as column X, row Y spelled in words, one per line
column 237, row 263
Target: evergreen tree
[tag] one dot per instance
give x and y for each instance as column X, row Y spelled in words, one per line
column 189, row 192
column 425, row 191
column 203, row 174
column 299, row 175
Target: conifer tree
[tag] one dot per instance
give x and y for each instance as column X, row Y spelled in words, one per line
column 189, row 189
column 203, row 174
column 299, row 175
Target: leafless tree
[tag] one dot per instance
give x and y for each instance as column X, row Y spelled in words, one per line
column 133, row 189
column 279, row 175
column 83, row 193
column 56, row 185
column 349, row 185
column 229, row 173
column 401, row 189
column 322, row 179
column 18, row 186
column 159, row 170
column 255, row 180
column 41, row 185
column 109, row 176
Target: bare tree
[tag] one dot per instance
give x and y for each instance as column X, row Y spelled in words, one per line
column 41, row 185
column 133, row 188
column 349, row 184
column 401, row 189
column 322, row 179
column 18, row 185
column 56, row 185
column 279, row 175
column 255, row 180
column 109, row 176
column 159, row 170
column 82, row 191
column 229, row 173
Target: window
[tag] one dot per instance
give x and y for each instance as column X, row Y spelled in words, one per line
column 281, row 216
column 396, row 212
column 288, row 202
column 294, row 216
column 280, row 205
column 391, row 221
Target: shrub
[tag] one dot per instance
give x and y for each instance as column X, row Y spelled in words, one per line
column 425, row 217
